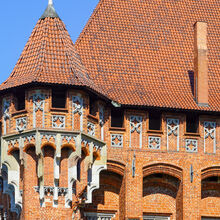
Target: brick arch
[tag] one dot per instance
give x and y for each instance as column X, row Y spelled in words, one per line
column 27, row 147
column 162, row 187
column 210, row 190
column 11, row 150
column 164, row 168
column 116, row 167
column 210, row 171
column 70, row 146
column 110, row 195
column 48, row 144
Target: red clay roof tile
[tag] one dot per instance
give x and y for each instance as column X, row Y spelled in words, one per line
column 49, row 57
column 142, row 51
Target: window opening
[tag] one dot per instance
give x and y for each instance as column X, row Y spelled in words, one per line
column 192, row 123
column 92, row 106
column 20, row 99
column 58, row 98
column 155, row 120
column 117, row 117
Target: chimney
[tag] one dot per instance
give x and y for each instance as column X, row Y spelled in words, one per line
column 201, row 63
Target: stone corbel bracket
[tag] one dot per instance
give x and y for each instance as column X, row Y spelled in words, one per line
column 97, row 164
column 35, row 137
column 94, row 184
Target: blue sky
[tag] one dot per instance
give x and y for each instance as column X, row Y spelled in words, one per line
column 18, row 18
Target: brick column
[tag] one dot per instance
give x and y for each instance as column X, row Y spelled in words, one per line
column 191, row 190
column 134, row 188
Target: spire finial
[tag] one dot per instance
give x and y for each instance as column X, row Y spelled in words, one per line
column 50, row 11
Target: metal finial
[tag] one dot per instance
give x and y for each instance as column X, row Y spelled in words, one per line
column 50, row 12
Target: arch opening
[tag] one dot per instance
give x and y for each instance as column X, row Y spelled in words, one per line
column 162, row 193
column 111, row 189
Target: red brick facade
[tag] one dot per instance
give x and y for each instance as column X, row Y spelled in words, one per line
column 69, row 162
column 169, row 181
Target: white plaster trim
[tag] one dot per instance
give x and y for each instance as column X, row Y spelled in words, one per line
column 94, row 184
column 210, row 131
column 136, row 127
column 173, row 130
column 38, row 106
column 77, row 108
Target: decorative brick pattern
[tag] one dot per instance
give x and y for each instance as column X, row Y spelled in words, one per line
column 116, row 140
column 154, row 143
column 173, row 129
column 38, row 105
column 136, row 126
column 210, row 131
column 21, row 124
column 58, row 121
column 191, row 145
column 91, row 128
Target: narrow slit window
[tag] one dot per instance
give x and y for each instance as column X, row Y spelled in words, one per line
column 92, row 106
column 192, row 123
column 20, row 99
column 58, row 98
column 155, row 121
column 117, row 117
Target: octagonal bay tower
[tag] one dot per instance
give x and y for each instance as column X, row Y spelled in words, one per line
column 51, row 152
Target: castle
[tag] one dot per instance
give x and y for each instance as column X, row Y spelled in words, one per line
column 123, row 124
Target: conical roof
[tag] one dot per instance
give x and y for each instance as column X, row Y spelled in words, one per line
column 49, row 57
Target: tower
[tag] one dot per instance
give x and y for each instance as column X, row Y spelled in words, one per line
column 51, row 154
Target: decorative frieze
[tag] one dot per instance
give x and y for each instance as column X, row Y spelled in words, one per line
column 210, row 131
column 68, row 138
column 13, row 142
column 191, row 145
column 173, row 129
column 136, row 125
column 62, row 191
column 48, row 137
column 49, row 190
column 30, row 138
column 96, row 146
column 116, row 140
column 58, row 121
column 77, row 105
column 21, row 124
column 38, row 105
column 91, row 128
column 154, row 142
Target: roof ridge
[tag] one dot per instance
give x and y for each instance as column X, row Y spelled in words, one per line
column 95, row 11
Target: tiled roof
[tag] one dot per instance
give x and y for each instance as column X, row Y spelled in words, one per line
column 49, row 57
column 142, row 51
